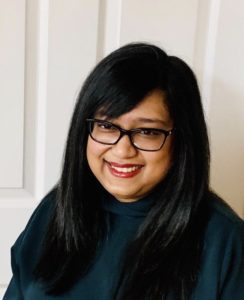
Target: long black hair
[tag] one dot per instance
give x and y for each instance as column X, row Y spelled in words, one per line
column 165, row 255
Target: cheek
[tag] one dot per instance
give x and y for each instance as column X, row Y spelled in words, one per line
column 94, row 153
column 159, row 163
column 91, row 149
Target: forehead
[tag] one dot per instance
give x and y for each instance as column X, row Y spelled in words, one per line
column 152, row 109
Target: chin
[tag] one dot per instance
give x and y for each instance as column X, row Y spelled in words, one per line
column 126, row 200
column 125, row 197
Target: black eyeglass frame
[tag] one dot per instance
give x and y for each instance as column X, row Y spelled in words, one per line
column 129, row 133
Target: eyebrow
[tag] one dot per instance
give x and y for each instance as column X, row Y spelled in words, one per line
column 165, row 123
column 152, row 120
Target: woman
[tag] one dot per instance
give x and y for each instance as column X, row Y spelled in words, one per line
column 132, row 216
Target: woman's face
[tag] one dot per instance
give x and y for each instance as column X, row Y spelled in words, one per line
column 124, row 171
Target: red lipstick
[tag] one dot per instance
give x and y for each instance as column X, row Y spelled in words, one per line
column 124, row 170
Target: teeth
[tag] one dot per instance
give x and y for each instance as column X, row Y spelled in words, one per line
column 125, row 170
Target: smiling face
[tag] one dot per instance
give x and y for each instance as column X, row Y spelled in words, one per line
column 124, row 171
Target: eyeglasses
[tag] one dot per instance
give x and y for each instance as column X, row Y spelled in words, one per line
column 146, row 139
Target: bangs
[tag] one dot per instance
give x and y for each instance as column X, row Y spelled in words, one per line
column 123, row 84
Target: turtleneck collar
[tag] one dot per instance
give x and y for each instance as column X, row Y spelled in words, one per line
column 139, row 208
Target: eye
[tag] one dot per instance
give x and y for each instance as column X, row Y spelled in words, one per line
column 149, row 132
column 105, row 126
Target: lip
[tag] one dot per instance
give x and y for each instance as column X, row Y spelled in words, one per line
column 121, row 174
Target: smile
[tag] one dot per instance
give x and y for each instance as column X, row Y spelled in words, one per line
column 124, row 170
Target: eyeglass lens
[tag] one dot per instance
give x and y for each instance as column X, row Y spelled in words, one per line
column 145, row 138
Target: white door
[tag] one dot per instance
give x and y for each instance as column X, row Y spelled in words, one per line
column 47, row 49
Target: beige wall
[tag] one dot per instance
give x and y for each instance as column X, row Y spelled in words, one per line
column 49, row 46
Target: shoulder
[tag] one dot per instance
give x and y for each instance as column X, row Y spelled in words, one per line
column 222, row 266
column 224, row 228
column 223, row 222
column 43, row 211
column 37, row 223
column 224, row 240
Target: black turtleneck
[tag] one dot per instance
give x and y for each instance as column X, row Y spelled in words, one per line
column 221, row 274
column 124, row 220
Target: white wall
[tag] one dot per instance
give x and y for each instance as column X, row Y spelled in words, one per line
column 226, row 107
column 49, row 46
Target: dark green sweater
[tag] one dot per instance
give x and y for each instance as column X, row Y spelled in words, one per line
column 222, row 270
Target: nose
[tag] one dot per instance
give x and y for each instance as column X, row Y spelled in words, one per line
column 124, row 148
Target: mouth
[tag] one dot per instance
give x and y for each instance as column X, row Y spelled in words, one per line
column 124, row 170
